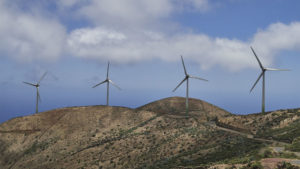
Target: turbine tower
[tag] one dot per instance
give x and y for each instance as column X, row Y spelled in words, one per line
column 262, row 75
column 37, row 85
column 107, row 81
column 186, row 78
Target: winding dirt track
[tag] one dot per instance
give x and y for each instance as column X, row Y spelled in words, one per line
column 246, row 135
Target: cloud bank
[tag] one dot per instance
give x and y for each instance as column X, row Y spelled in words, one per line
column 134, row 31
column 231, row 54
column 27, row 37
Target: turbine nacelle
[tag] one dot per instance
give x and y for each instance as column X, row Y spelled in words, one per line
column 186, row 78
column 264, row 69
column 37, row 85
column 262, row 75
column 108, row 81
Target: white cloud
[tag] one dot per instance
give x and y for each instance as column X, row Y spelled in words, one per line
column 277, row 37
column 92, row 42
column 231, row 54
column 131, row 13
column 27, row 37
column 200, row 4
column 135, row 22
column 88, row 36
column 192, row 5
column 128, row 13
column 118, row 47
column 67, row 3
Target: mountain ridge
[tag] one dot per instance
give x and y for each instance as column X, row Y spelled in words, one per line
column 156, row 135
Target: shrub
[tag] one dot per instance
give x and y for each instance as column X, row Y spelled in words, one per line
column 295, row 146
column 288, row 155
column 253, row 165
column 267, row 153
column 286, row 165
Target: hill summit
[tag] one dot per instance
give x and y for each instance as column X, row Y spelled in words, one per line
column 176, row 106
column 156, row 135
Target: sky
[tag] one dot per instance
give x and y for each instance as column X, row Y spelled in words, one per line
column 73, row 40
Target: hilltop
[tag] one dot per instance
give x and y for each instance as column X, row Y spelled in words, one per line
column 176, row 106
column 156, row 135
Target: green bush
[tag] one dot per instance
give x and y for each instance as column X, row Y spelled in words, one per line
column 288, row 155
column 285, row 134
column 295, row 146
column 267, row 153
column 286, row 165
column 253, row 165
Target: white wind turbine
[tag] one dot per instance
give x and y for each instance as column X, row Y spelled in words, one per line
column 37, row 85
column 186, row 78
column 264, row 69
column 107, row 81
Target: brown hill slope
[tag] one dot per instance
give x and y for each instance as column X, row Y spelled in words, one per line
column 176, row 106
column 45, row 138
column 280, row 125
column 157, row 135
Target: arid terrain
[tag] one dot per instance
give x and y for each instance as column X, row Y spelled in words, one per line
column 156, row 135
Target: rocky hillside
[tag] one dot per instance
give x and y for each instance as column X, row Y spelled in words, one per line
column 176, row 106
column 280, row 125
column 157, row 135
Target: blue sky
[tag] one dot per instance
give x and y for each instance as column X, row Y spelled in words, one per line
column 143, row 39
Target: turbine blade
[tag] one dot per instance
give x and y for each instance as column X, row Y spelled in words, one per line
column 42, row 77
column 107, row 70
column 194, row 77
column 272, row 69
column 257, row 81
column 29, row 83
column 114, row 84
column 261, row 66
column 99, row 83
column 183, row 66
column 179, row 84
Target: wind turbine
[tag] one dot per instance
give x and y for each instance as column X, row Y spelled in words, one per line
column 37, row 85
column 107, row 81
column 262, row 74
column 186, row 78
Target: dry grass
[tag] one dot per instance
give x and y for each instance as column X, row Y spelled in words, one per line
column 157, row 135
